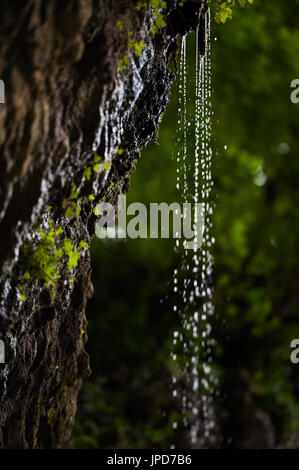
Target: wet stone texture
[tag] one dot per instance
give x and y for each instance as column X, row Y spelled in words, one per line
column 71, row 131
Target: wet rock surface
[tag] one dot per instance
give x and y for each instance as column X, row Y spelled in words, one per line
column 71, row 131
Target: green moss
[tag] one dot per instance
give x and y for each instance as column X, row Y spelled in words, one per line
column 42, row 260
column 123, row 63
column 120, row 25
column 159, row 21
column 72, row 209
column 136, row 46
column 52, row 415
column 158, row 7
column 74, row 192
column 87, row 172
column 71, row 205
column 107, row 166
column 71, row 252
column 96, row 210
column 71, row 281
column 94, row 166
column 140, row 4
column 83, row 244
column 97, row 158
column 45, row 258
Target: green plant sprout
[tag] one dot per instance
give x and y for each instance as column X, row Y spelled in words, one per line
column 136, row 46
column 107, row 166
column 46, row 257
column 158, row 6
column 94, row 166
column 87, row 172
column 120, row 25
column 123, row 63
column 97, row 158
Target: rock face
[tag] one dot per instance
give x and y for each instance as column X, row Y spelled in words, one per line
column 86, row 83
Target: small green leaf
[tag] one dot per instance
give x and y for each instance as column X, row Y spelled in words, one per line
column 120, row 25
column 68, row 246
column 73, row 259
column 97, row 158
column 83, row 244
column 59, row 253
column 74, row 192
column 123, row 63
column 107, row 166
column 87, row 173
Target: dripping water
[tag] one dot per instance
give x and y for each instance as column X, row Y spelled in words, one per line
column 194, row 381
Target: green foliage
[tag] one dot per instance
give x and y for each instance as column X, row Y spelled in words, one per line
column 92, row 167
column 101, row 419
column 107, row 166
column 72, row 253
column 140, row 4
column 97, row 158
column 159, row 20
column 71, row 205
column 224, row 9
column 136, row 46
column 120, row 25
column 44, row 258
column 123, row 63
column 87, row 172
column 84, row 245
column 74, row 192
column 158, row 16
column 72, row 210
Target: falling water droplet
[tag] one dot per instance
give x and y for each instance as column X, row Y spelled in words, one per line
column 192, row 281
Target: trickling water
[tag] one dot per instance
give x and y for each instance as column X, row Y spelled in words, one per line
column 195, row 381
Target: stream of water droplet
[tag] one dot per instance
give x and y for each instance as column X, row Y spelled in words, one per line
column 194, row 380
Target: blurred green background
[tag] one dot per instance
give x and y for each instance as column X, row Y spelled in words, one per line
column 127, row 402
